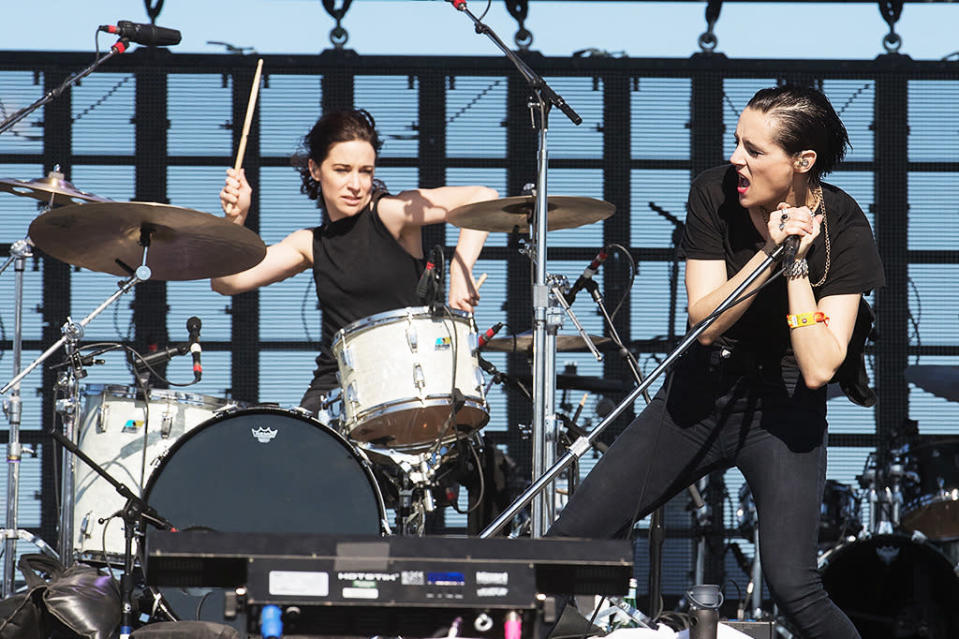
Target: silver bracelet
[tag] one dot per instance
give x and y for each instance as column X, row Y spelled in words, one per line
column 796, row 270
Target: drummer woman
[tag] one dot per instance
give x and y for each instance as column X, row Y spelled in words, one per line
column 367, row 255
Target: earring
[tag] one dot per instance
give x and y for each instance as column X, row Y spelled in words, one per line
column 804, row 163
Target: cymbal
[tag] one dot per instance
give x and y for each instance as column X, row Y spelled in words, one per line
column 184, row 244
column 53, row 189
column 942, row 381
column 507, row 214
column 524, row 343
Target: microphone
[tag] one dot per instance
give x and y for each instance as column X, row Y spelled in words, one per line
column 790, row 246
column 159, row 357
column 193, row 327
column 145, row 34
column 587, row 275
column 425, row 284
column 488, row 334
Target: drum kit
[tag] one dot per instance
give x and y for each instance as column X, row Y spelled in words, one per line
column 412, row 395
column 889, row 549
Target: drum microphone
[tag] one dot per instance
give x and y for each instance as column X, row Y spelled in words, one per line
column 489, row 333
column 587, row 275
column 146, row 34
column 193, row 328
column 159, row 357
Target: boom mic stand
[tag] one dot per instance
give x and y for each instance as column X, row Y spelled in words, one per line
column 581, row 445
column 544, row 338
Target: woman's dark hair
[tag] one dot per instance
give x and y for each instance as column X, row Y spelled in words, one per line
column 333, row 127
column 806, row 121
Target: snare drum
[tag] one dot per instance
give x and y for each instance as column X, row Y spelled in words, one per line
column 397, row 373
column 111, row 433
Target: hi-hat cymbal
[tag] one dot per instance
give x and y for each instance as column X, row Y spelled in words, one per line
column 183, row 244
column 523, row 343
column 53, row 189
column 940, row 380
column 507, row 214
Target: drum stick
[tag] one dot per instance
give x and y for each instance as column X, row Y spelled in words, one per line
column 479, row 282
column 254, row 90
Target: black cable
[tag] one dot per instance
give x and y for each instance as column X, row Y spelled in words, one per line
column 632, row 276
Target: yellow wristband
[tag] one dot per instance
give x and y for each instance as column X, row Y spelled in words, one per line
column 806, row 319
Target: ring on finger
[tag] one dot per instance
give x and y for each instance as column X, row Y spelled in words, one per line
column 784, row 217
column 782, row 226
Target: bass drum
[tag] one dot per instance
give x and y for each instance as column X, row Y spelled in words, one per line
column 261, row 470
column 893, row 587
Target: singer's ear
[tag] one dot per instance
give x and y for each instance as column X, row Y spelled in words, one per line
column 804, row 161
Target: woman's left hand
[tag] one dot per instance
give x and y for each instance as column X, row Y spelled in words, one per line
column 799, row 221
column 463, row 292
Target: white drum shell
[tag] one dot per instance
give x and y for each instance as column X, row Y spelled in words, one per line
column 396, row 373
column 111, row 433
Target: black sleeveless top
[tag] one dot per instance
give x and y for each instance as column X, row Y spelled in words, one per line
column 359, row 269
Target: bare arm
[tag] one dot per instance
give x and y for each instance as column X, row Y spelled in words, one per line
column 287, row 258
column 409, row 211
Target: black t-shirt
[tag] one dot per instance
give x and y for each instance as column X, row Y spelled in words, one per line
column 718, row 228
column 360, row 270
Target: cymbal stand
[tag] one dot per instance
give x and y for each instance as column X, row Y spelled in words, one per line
column 67, row 408
column 13, row 407
column 580, row 446
column 544, row 334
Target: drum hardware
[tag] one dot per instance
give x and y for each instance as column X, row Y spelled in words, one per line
column 883, row 490
column 523, row 343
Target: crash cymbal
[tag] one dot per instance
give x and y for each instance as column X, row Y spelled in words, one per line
column 507, row 214
column 524, row 343
column 942, row 381
column 53, row 189
column 184, row 244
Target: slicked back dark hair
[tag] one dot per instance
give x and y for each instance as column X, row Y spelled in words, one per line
column 332, row 128
column 806, row 120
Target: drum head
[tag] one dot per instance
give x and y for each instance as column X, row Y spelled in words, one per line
column 264, row 470
column 893, row 587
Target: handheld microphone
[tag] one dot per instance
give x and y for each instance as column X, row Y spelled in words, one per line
column 193, row 327
column 488, row 334
column 790, row 246
column 587, row 275
column 146, row 34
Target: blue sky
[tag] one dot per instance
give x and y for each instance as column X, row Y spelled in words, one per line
column 424, row 27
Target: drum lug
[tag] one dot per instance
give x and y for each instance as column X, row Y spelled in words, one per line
column 167, row 424
column 419, row 379
column 347, row 359
column 479, row 381
column 101, row 419
column 351, row 394
column 412, row 338
column 472, row 341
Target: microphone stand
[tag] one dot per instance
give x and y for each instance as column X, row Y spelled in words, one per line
column 544, row 346
column 581, row 445
column 134, row 512
column 121, row 45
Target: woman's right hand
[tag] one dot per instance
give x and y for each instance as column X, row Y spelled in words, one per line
column 235, row 196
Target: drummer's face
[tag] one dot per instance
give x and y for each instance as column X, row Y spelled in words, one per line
column 346, row 177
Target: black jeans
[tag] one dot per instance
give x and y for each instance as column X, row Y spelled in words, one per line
column 715, row 412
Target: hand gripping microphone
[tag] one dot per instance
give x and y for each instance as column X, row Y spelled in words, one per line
column 146, row 34
column 790, row 246
column 587, row 275
column 193, row 327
